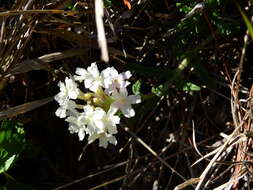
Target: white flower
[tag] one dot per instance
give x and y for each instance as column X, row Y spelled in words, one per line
column 77, row 125
column 113, row 80
column 86, row 122
column 92, row 119
column 61, row 112
column 110, row 91
column 98, row 121
column 105, row 125
column 123, row 102
column 110, row 121
column 91, row 77
column 106, row 122
column 68, row 91
column 67, row 105
column 104, row 138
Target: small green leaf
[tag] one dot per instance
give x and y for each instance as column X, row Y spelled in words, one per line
column 107, row 3
column 158, row 91
column 247, row 22
column 12, row 141
column 2, row 187
column 191, row 87
column 7, row 164
column 136, row 87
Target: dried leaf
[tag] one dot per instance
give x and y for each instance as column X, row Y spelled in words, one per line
column 82, row 40
column 28, row 65
column 187, row 183
column 116, row 52
column 56, row 56
column 127, row 3
column 21, row 109
column 40, row 63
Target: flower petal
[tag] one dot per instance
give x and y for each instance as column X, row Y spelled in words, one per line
column 134, row 99
column 61, row 112
column 128, row 112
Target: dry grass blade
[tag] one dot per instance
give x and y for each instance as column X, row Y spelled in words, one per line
column 214, row 159
column 108, row 182
column 27, row 12
column 15, row 35
column 128, row 168
column 115, row 166
column 99, row 13
column 116, row 52
column 39, row 64
column 28, row 65
column 187, row 183
column 240, row 115
column 81, row 40
column 194, row 139
column 62, row 55
column 238, row 139
column 228, row 185
column 153, row 152
column 206, row 156
column 21, row 109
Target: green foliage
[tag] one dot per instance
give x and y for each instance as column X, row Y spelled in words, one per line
column 247, row 22
column 185, row 6
column 158, row 91
column 107, row 3
column 193, row 34
column 224, row 26
column 137, row 87
column 70, row 5
column 201, row 24
column 12, row 143
column 171, row 77
column 189, row 87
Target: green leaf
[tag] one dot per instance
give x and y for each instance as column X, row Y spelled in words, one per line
column 107, row 3
column 191, row 87
column 158, row 91
column 136, row 87
column 247, row 22
column 2, row 187
column 12, row 143
column 7, row 164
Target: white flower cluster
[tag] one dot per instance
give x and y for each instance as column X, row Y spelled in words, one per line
column 96, row 113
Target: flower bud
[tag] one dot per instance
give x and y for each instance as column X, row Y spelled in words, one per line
column 98, row 102
column 87, row 96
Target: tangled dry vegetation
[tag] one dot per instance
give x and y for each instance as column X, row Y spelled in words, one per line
column 180, row 138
